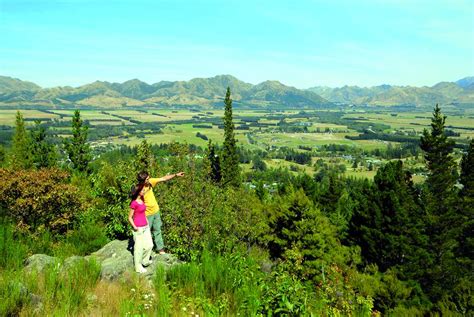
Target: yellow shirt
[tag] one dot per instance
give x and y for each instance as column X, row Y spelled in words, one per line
column 150, row 199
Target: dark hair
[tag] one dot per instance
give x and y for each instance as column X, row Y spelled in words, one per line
column 135, row 191
column 141, row 177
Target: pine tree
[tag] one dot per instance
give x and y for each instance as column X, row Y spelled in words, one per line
column 20, row 155
column 440, row 163
column 214, row 163
column 77, row 149
column 43, row 152
column 400, row 229
column 465, row 250
column 440, row 199
column 230, row 158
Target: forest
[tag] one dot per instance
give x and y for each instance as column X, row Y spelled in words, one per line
column 263, row 241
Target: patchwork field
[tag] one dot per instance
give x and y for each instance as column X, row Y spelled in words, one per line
column 255, row 129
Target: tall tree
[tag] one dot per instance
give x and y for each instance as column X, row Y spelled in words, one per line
column 214, row 163
column 43, row 151
column 77, row 149
column 144, row 159
column 20, row 155
column 465, row 250
column 301, row 234
column 442, row 168
column 230, row 158
column 401, row 237
column 440, row 197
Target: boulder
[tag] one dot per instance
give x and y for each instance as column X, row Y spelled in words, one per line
column 38, row 262
column 115, row 260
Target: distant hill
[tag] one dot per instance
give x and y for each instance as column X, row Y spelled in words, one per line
column 197, row 91
column 210, row 91
column 9, row 85
column 466, row 82
column 461, row 91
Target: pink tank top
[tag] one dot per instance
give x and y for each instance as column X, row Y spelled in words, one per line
column 139, row 218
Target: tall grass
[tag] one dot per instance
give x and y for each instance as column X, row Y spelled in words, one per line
column 12, row 250
column 12, row 293
column 216, row 285
column 63, row 290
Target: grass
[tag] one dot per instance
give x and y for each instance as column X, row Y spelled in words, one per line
column 7, row 117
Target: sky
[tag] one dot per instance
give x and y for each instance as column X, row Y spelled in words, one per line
column 300, row 43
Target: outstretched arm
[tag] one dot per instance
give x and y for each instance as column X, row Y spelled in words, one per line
column 168, row 177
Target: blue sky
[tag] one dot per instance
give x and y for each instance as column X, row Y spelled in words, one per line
column 300, row 43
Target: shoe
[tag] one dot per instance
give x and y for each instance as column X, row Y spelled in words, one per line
column 147, row 263
column 141, row 270
column 162, row 252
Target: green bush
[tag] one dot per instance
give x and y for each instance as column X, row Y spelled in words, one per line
column 40, row 200
column 111, row 188
column 197, row 214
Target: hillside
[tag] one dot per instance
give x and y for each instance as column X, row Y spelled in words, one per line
column 195, row 92
column 460, row 91
column 208, row 92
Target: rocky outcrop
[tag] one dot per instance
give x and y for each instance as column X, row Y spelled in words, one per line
column 115, row 260
column 38, row 262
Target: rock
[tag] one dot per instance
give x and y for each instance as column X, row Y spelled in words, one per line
column 38, row 262
column 115, row 260
column 72, row 261
column 113, row 250
column 36, row 302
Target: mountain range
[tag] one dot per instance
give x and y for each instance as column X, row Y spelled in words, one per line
column 211, row 91
column 461, row 91
column 198, row 91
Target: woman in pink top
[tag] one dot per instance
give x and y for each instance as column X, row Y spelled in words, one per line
column 141, row 230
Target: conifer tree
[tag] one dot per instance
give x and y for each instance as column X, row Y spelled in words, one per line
column 214, row 163
column 20, row 155
column 401, row 237
column 441, row 166
column 465, row 250
column 230, row 158
column 43, row 152
column 77, row 149
column 440, row 199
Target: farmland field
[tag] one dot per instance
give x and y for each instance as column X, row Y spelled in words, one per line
column 254, row 129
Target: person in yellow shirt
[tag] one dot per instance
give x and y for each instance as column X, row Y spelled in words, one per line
column 152, row 209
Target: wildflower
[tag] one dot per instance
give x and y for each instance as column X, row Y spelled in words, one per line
column 184, row 308
column 133, row 290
